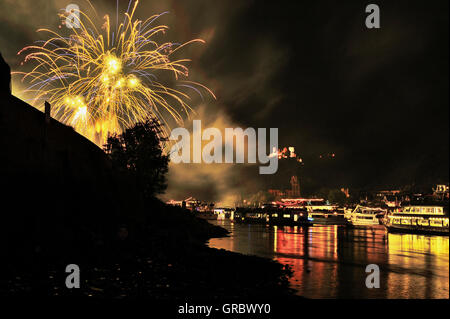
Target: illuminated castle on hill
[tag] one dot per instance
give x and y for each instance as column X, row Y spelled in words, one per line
column 287, row 153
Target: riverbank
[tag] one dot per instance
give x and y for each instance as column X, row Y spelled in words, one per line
column 329, row 261
column 164, row 259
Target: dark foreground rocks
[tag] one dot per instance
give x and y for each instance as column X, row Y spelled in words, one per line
column 165, row 258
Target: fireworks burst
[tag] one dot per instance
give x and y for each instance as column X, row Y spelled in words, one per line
column 103, row 82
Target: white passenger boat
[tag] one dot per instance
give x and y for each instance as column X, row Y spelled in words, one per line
column 367, row 216
column 418, row 219
column 326, row 215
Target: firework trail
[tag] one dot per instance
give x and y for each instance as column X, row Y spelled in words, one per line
column 102, row 82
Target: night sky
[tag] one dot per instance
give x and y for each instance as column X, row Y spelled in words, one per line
column 377, row 98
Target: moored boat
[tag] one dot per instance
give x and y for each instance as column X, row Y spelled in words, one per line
column 273, row 216
column 418, row 219
column 326, row 215
column 367, row 217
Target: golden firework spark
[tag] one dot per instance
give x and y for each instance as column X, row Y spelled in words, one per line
column 104, row 82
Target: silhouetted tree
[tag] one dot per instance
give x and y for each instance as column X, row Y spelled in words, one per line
column 138, row 151
column 333, row 195
column 336, row 196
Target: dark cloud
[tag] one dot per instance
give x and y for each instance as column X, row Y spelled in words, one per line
column 376, row 98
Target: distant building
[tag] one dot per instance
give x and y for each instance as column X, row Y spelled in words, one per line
column 294, row 192
column 295, row 188
column 192, row 204
column 388, row 192
column 276, row 193
column 441, row 191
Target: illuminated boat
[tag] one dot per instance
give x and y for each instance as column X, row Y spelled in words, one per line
column 272, row 216
column 289, row 217
column 326, row 215
column 348, row 212
column 367, row 216
column 418, row 219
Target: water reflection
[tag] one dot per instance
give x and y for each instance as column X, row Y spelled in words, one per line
column 330, row 261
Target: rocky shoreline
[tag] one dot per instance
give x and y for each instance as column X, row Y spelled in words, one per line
column 167, row 259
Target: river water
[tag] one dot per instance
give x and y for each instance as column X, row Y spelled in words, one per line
column 330, row 261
